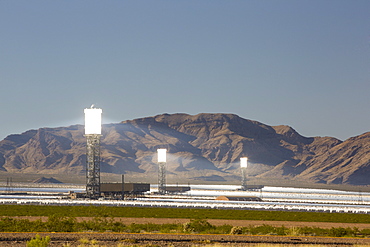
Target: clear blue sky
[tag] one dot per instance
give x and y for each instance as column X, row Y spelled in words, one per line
column 300, row 63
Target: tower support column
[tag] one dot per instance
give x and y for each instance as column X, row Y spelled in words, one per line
column 244, row 178
column 243, row 167
column 162, row 178
column 93, row 165
column 161, row 152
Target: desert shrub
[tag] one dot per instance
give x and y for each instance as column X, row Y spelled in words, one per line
column 38, row 241
column 236, row 230
column 224, row 229
column 364, row 232
column 20, row 225
column 102, row 223
column 198, row 225
column 93, row 242
column 33, row 226
column 280, row 230
column 84, row 240
column 149, row 227
column 266, row 230
column 293, row 231
column 313, row 231
column 98, row 224
column 60, row 224
column 259, row 230
column 168, row 228
column 187, row 227
column 341, row 232
column 8, row 224
column 118, row 227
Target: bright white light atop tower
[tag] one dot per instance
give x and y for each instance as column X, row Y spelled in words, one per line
column 93, row 121
column 161, row 155
column 243, row 162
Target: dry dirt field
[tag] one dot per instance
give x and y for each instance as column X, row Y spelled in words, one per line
column 173, row 240
column 186, row 240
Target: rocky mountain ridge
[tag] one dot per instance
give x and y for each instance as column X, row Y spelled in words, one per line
column 198, row 146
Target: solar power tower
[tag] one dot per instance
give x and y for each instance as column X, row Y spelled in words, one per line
column 162, row 171
column 243, row 167
column 93, row 135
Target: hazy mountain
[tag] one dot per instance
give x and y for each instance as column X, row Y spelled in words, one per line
column 199, row 145
column 44, row 180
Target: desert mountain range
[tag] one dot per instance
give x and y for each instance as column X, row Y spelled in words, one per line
column 202, row 146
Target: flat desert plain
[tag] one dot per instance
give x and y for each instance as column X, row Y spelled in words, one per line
column 186, row 240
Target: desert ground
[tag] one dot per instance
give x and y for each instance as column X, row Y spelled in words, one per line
column 174, row 240
column 186, row 240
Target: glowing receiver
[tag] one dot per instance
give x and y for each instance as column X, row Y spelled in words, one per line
column 244, row 162
column 93, row 121
column 161, row 155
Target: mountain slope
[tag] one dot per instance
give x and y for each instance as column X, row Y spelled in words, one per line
column 197, row 144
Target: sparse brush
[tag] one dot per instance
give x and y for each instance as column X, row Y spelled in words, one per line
column 236, row 230
column 38, row 241
column 84, row 241
column 294, row 231
column 93, row 241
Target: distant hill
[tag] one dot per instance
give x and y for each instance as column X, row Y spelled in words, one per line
column 44, row 180
column 204, row 146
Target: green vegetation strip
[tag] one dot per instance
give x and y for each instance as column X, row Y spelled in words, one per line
column 97, row 224
column 187, row 213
